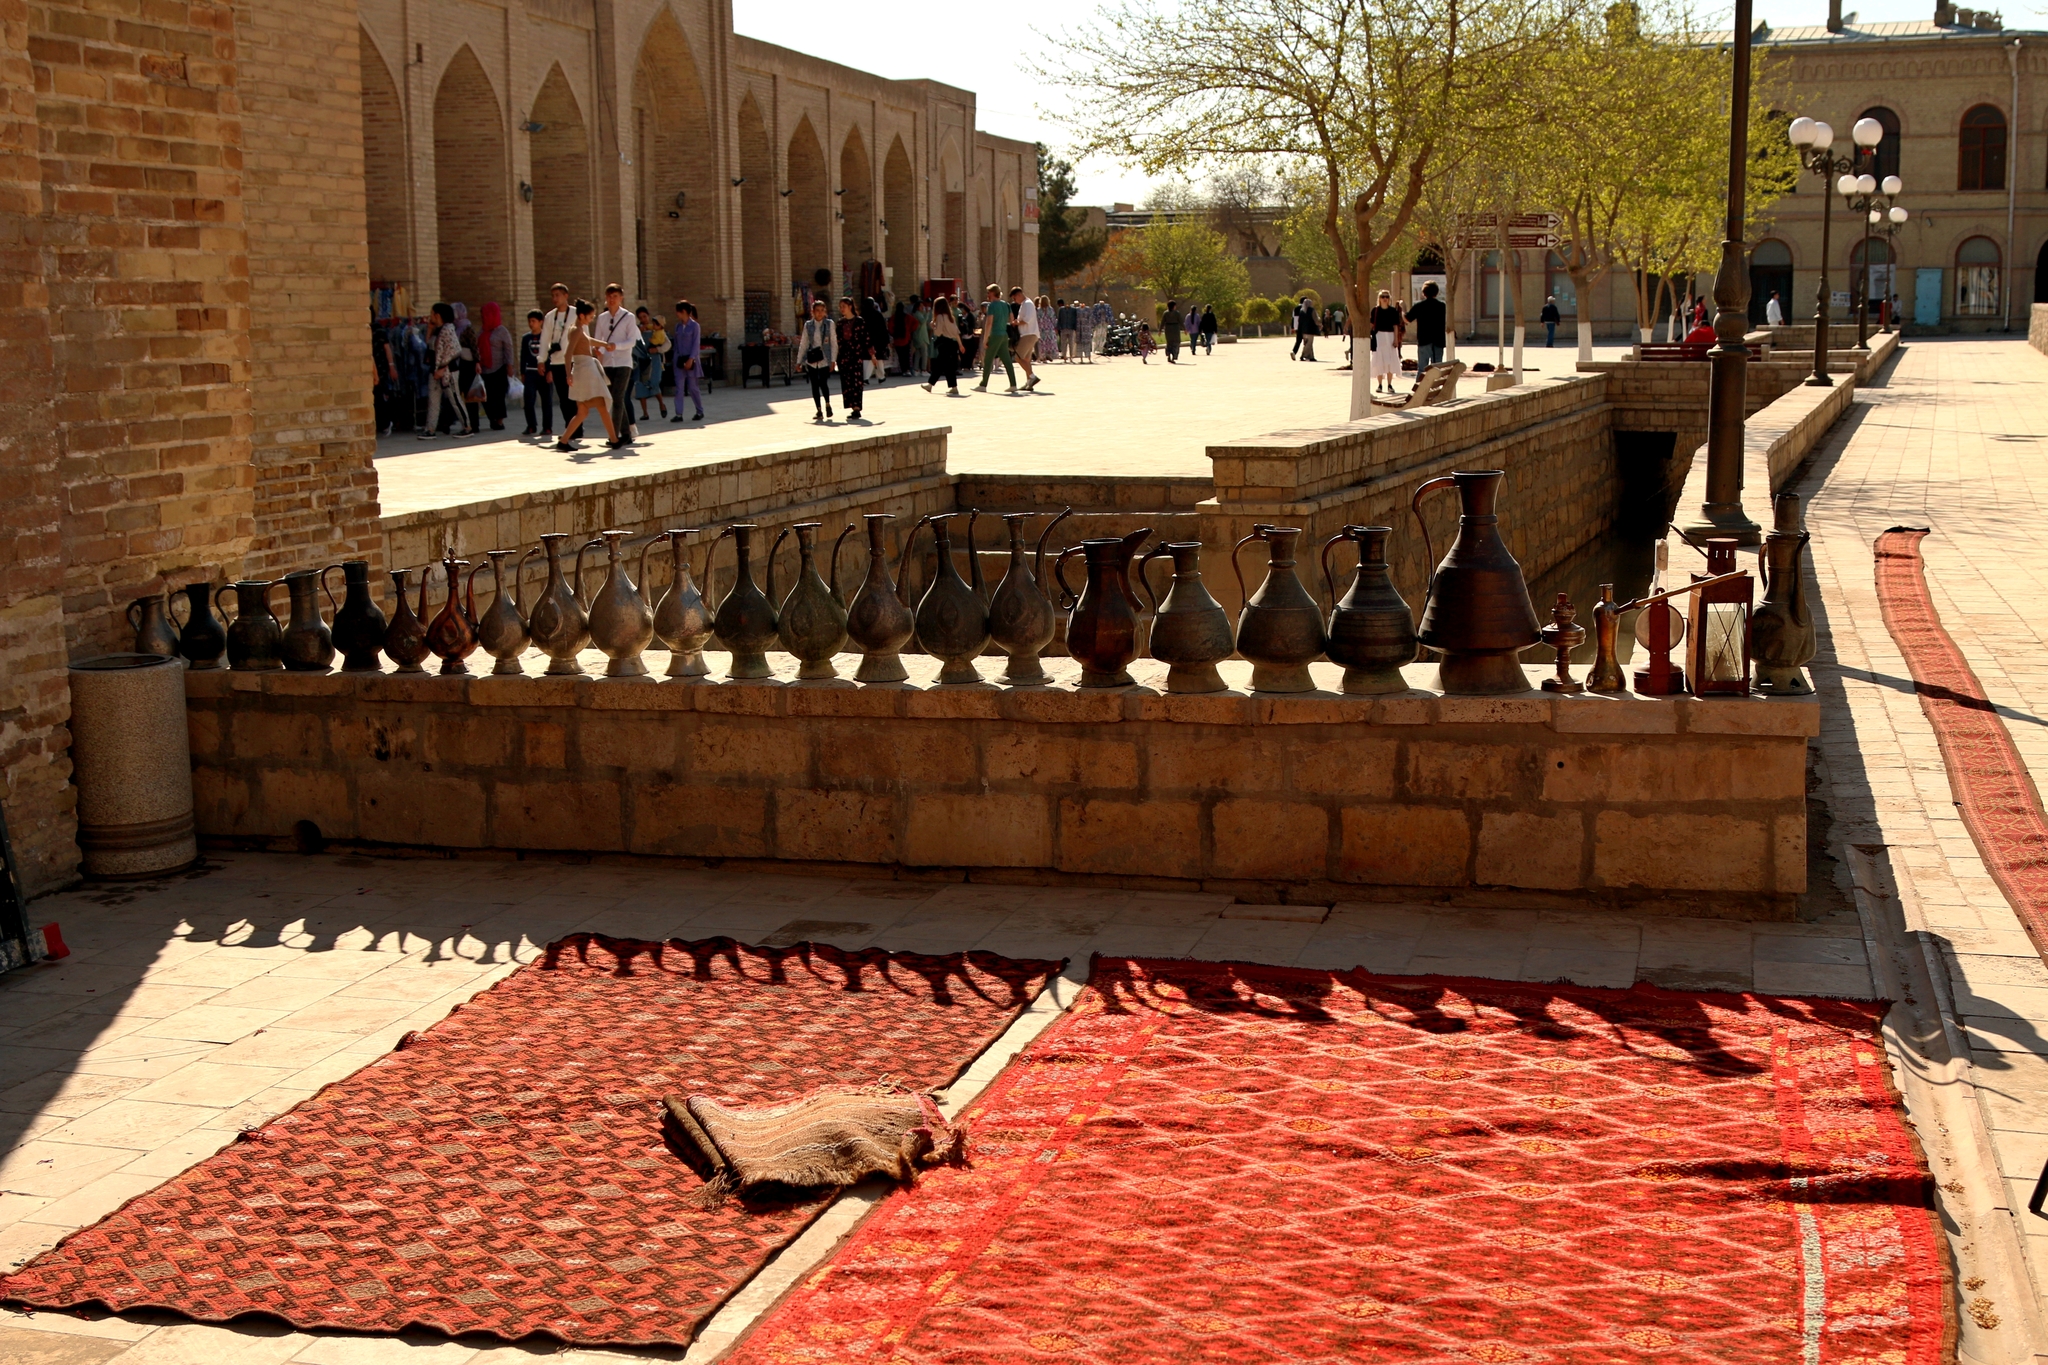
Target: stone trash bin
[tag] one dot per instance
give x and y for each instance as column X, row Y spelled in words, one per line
column 132, row 761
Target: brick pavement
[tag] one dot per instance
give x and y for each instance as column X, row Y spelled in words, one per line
column 1952, row 438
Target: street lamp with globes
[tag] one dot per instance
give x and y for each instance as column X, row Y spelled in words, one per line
column 1888, row 225
column 1873, row 199
column 1814, row 141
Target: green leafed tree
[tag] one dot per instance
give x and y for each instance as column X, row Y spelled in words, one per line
column 1066, row 247
column 1184, row 260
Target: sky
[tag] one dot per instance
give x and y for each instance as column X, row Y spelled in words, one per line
column 997, row 50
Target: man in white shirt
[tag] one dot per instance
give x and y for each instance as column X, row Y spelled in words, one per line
column 554, row 349
column 1774, row 311
column 617, row 332
column 1026, row 313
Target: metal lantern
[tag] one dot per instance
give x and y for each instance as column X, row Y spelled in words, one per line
column 1717, row 638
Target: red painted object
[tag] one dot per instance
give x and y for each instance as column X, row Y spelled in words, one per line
column 53, row 942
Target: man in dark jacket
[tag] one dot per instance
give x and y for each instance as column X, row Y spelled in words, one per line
column 1550, row 318
column 1305, row 330
column 1428, row 317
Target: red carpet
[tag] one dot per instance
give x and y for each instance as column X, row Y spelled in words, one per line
column 1994, row 792
column 1216, row 1163
column 505, row 1173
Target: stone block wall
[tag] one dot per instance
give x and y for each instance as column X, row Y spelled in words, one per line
column 1552, row 437
column 314, row 432
column 2037, row 328
column 1670, row 805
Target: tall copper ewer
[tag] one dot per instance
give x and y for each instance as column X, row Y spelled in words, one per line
column 1477, row 611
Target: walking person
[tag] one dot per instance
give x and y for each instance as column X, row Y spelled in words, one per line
column 494, row 363
column 688, row 344
column 1386, row 343
column 877, row 323
column 1550, row 317
column 554, row 348
column 945, row 334
column 647, row 365
column 1774, row 311
column 539, row 394
column 447, row 376
column 1429, row 316
column 615, row 332
column 1207, row 323
column 902, row 327
column 468, row 392
column 1025, row 340
column 589, row 385
column 1048, row 329
column 1146, row 346
column 1304, row 331
column 996, row 330
column 965, row 318
column 1193, row 324
column 817, row 350
column 1066, row 319
column 1173, row 325
column 922, row 311
column 856, row 352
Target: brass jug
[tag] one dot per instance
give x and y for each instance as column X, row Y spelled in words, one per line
column 681, row 620
column 811, row 621
column 150, row 619
column 1021, row 621
column 405, row 639
column 621, row 622
column 255, row 639
column 952, row 616
column 202, row 639
column 557, row 623
column 1781, row 634
column 1190, row 629
column 359, row 624
column 308, row 645
column 1477, row 610
column 1371, row 631
column 501, row 631
column 1102, row 631
column 745, row 620
column 880, row 620
column 451, row 635
column 1281, row 627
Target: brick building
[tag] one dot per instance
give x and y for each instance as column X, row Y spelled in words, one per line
column 510, row 145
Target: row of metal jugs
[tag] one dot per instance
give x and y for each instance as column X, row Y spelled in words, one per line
column 1280, row 631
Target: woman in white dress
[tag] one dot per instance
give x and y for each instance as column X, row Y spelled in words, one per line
column 1386, row 343
column 587, row 384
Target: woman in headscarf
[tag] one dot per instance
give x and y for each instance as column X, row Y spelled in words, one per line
column 856, row 348
column 877, row 323
column 1048, row 329
column 495, row 354
column 446, row 348
column 465, row 356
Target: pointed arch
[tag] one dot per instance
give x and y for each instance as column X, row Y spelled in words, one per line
column 675, row 199
column 810, row 201
column 472, row 207
column 953, row 228
column 899, row 211
column 564, row 245
column 856, row 204
column 757, row 217
column 387, row 198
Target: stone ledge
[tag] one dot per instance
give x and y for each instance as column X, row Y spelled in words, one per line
column 1061, row 702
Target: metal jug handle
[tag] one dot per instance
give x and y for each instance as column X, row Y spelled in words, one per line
column 171, row 610
column 134, row 614
column 903, row 558
column 332, row 604
column 480, row 566
column 771, row 567
column 845, row 531
column 1068, row 599
column 518, row 573
column 1415, row 509
column 1330, row 583
column 219, row 605
column 710, row 557
column 1259, row 530
column 1044, row 536
column 581, row 593
column 652, row 541
column 1144, row 581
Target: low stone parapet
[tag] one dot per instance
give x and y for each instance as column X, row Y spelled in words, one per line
column 1677, row 805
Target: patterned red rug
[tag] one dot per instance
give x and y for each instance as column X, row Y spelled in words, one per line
column 1994, row 792
column 1207, row 1162
column 506, row 1173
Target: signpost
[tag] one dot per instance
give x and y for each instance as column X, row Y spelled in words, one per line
column 1537, row 231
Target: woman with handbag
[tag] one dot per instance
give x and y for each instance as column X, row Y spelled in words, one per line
column 818, row 351
column 856, row 350
column 443, row 383
column 1385, row 340
column 945, row 336
column 588, row 387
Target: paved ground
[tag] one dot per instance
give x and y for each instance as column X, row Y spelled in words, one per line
column 1953, row 438
column 1115, row 416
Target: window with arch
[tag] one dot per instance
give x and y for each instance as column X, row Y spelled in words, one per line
column 1770, row 274
column 1977, row 281
column 1980, row 150
column 1884, row 158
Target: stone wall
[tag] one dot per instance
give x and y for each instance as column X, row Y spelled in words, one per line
column 2037, row 328
column 314, row 431
column 1669, row 805
column 1552, row 437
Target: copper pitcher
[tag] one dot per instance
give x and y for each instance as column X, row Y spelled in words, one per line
column 621, row 622
column 150, row 619
column 1371, row 631
column 201, row 639
column 1477, row 610
column 451, row 635
column 880, row 620
column 1020, row 616
column 811, row 621
column 1281, row 627
column 1781, row 634
column 308, row 645
column 681, row 620
column 359, row 624
column 405, row 639
column 952, row 616
column 1191, row 631
column 255, row 639
column 501, row 631
column 745, row 620
column 558, row 623
column 1102, row 632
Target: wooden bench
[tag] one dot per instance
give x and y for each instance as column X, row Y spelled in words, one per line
column 1437, row 384
column 1684, row 350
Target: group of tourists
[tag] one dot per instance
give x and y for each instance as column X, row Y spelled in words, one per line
column 577, row 357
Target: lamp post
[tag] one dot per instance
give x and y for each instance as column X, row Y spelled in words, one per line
column 1874, row 206
column 1814, row 141
column 1894, row 219
column 1728, row 378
